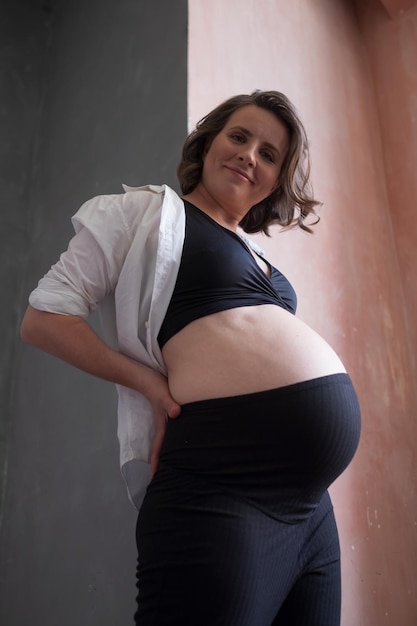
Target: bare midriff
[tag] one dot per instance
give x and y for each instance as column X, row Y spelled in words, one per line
column 245, row 350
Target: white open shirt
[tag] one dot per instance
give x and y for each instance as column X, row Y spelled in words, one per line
column 125, row 257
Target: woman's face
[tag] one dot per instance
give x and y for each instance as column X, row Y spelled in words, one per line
column 243, row 162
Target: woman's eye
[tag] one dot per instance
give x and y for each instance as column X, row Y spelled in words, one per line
column 268, row 156
column 238, row 138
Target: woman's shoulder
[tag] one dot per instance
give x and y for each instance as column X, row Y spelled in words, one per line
column 129, row 209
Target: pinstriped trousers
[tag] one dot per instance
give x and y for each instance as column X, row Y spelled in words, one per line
column 237, row 527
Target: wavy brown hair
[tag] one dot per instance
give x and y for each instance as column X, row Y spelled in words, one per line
column 292, row 202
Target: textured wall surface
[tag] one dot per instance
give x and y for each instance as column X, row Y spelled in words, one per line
column 390, row 540
column 22, row 44
column 93, row 96
column 353, row 82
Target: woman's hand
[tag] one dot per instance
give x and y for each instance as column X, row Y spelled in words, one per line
column 164, row 407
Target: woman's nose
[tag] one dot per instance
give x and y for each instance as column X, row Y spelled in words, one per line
column 247, row 155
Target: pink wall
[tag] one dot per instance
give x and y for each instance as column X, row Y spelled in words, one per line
column 354, row 277
column 392, row 53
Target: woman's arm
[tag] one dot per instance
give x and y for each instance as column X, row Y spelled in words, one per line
column 71, row 339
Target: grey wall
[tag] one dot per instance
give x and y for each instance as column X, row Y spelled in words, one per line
column 93, row 95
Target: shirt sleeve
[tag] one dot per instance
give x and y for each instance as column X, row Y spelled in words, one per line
column 89, row 269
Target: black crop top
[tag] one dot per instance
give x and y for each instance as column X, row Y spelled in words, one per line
column 218, row 272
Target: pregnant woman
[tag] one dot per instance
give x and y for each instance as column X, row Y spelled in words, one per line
column 245, row 414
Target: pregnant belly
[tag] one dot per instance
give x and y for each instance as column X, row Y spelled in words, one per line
column 245, row 350
column 279, row 449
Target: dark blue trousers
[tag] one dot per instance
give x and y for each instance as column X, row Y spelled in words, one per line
column 237, row 527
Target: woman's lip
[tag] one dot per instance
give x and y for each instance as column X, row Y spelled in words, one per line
column 239, row 172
